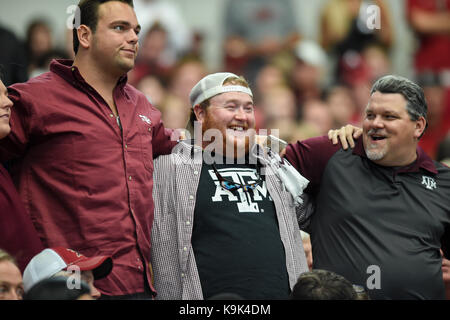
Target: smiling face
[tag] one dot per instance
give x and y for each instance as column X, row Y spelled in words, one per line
column 389, row 135
column 114, row 44
column 5, row 111
column 232, row 113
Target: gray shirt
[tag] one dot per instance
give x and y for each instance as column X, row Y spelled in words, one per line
column 255, row 20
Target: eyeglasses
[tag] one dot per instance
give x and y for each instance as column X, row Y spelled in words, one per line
column 230, row 185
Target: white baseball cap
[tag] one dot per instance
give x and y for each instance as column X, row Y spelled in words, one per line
column 212, row 85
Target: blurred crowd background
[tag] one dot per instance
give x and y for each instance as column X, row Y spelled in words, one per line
column 310, row 63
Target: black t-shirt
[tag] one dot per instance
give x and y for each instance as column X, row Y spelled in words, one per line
column 236, row 239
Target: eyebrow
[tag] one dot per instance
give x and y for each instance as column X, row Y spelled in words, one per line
column 384, row 112
column 237, row 102
column 125, row 23
column 6, row 282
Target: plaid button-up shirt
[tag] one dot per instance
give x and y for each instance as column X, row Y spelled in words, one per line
column 176, row 179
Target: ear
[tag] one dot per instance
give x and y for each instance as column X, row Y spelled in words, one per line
column 84, row 36
column 419, row 127
column 200, row 113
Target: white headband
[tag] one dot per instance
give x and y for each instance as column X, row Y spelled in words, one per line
column 220, row 89
column 212, row 85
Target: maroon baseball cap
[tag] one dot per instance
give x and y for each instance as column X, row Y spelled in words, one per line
column 101, row 266
column 51, row 261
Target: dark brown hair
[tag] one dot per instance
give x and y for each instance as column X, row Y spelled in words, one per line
column 89, row 17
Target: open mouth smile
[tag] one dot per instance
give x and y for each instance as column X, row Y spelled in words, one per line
column 377, row 138
column 237, row 128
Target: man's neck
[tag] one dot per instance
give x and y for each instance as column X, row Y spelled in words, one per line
column 398, row 163
column 102, row 81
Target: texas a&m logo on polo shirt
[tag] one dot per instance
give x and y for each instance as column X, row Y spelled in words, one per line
column 429, row 182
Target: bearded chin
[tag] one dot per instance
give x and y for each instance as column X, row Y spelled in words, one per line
column 375, row 155
column 236, row 147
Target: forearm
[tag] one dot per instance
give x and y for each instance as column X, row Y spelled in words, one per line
column 310, row 158
column 425, row 22
column 163, row 140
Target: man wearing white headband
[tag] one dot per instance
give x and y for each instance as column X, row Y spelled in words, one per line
column 224, row 220
column 237, row 129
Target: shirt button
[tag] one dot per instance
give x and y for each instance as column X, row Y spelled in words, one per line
column 182, row 275
column 130, row 178
column 191, row 197
column 184, row 249
column 195, row 172
column 188, row 223
column 111, row 115
column 149, row 129
column 126, row 146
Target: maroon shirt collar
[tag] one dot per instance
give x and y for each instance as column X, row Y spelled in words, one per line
column 423, row 160
column 68, row 72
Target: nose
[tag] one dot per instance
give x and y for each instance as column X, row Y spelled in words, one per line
column 5, row 102
column 94, row 291
column 240, row 114
column 378, row 122
column 133, row 37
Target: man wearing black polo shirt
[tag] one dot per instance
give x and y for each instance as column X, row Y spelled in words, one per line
column 385, row 229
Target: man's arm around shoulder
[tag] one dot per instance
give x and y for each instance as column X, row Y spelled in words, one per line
column 310, row 157
column 21, row 122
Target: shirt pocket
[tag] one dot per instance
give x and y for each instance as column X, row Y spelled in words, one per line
column 145, row 128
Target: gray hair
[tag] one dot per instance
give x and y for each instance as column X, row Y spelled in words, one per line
column 416, row 104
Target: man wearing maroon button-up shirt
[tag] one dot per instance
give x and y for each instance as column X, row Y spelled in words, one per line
column 17, row 234
column 86, row 142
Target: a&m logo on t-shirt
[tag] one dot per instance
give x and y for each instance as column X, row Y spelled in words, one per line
column 246, row 201
column 429, row 182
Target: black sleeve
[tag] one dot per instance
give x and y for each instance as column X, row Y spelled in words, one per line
column 445, row 242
